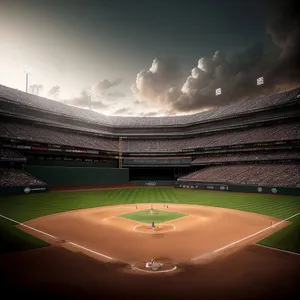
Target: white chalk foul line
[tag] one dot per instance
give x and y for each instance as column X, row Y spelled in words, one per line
column 92, row 251
column 277, row 249
column 24, row 225
column 54, row 237
column 247, row 237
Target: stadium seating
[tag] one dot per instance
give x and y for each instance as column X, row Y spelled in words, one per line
column 7, row 155
column 88, row 128
column 246, row 157
column 14, row 177
column 51, row 135
column 61, row 109
column 287, row 175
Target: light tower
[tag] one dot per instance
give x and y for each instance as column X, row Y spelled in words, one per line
column 218, row 92
column 35, row 88
column 27, row 73
column 38, row 88
column 260, row 81
column 91, row 97
column 120, row 151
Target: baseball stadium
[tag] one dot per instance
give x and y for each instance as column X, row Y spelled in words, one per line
column 204, row 205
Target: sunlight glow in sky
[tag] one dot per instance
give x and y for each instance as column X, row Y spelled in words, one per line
column 168, row 62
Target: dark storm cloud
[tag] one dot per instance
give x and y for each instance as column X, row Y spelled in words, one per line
column 154, row 84
column 137, row 102
column 122, row 111
column 235, row 76
column 84, row 101
column 150, row 114
column 115, row 94
column 106, row 84
column 154, row 113
column 106, row 89
column 284, row 28
column 54, row 91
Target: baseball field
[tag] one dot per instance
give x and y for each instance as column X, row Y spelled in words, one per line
column 192, row 227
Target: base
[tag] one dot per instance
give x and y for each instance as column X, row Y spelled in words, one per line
column 163, row 267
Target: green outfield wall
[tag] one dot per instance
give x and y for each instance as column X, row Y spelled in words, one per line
column 241, row 188
column 56, row 176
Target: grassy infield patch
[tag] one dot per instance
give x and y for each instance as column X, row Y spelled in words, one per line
column 26, row 207
column 160, row 216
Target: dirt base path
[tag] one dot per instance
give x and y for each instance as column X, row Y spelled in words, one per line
column 102, row 234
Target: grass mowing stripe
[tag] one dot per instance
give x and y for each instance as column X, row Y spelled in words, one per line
column 25, row 207
column 287, row 238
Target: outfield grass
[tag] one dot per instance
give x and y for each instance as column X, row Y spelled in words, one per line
column 160, row 216
column 287, row 238
column 26, row 207
column 13, row 239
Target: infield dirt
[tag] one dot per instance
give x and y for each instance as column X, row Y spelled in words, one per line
column 204, row 230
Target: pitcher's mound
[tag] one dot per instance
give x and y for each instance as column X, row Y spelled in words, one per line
column 163, row 228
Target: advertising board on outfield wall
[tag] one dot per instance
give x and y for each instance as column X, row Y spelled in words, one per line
column 10, row 190
column 242, row 188
column 154, row 183
column 29, row 189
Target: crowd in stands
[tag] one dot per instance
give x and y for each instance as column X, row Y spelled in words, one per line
column 7, row 155
column 43, row 104
column 58, row 108
column 51, row 135
column 280, row 132
column 14, row 177
column 287, row 175
column 246, row 157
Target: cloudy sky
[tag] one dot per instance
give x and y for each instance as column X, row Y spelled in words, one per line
column 146, row 57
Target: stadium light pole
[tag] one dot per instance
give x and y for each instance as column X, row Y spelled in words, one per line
column 27, row 73
column 260, row 81
column 218, row 92
column 91, row 95
column 37, row 88
column 120, row 151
